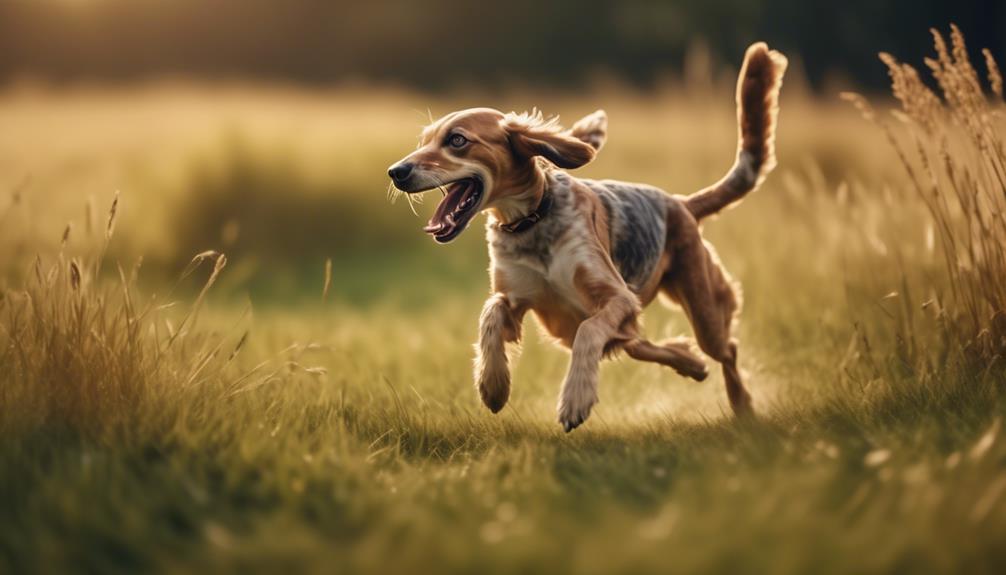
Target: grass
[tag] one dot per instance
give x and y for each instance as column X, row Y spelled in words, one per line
column 151, row 423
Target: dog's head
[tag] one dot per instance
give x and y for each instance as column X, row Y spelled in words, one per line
column 483, row 159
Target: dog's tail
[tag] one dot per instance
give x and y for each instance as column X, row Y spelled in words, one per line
column 757, row 109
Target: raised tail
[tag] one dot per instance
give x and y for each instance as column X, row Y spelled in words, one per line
column 757, row 108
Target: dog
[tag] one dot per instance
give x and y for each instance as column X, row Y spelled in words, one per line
column 586, row 256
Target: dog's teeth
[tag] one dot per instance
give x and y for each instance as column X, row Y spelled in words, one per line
column 450, row 219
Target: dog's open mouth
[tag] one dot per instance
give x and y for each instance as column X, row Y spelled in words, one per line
column 460, row 204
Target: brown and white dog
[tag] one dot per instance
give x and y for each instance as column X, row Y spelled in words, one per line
column 585, row 256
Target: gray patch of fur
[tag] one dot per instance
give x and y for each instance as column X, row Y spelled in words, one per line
column 638, row 227
column 637, row 224
column 744, row 175
column 537, row 242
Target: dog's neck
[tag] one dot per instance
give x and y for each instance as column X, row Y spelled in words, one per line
column 522, row 196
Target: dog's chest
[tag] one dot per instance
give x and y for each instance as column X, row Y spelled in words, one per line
column 540, row 271
column 546, row 286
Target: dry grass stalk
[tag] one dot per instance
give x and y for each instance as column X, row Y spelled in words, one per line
column 953, row 152
column 80, row 352
column 995, row 77
column 328, row 279
column 112, row 212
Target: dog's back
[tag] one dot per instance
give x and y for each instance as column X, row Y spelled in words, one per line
column 637, row 226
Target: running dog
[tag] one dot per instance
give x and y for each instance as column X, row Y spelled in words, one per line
column 584, row 255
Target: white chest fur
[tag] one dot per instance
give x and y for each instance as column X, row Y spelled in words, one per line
column 534, row 271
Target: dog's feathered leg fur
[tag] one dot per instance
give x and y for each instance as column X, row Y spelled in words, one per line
column 497, row 327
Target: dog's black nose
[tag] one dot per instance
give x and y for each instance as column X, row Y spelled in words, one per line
column 400, row 172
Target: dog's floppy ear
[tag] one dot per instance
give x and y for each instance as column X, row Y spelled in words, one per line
column 531, row 135
column 592, row 129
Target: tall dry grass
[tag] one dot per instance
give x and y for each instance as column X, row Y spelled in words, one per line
column 82, row 350
column 950, row 143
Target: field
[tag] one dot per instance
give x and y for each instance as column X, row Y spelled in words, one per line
column 255, row 409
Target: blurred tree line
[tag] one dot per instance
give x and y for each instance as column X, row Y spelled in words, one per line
column 439, row 43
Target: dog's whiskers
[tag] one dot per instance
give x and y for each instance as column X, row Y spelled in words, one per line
column 393, row 193
column 414, row 199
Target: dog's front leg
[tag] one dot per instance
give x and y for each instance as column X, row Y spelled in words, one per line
column 498, row 325
column 615, row 320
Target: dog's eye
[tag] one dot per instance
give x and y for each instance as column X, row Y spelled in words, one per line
column 457, row 141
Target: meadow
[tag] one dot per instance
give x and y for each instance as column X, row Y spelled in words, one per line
column 222, row 348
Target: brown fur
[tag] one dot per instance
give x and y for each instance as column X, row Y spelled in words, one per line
column 757, row 110
column 564, row 268
column 599, row 218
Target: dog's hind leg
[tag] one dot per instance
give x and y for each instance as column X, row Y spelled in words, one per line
column 709, row 300
column 674, row 354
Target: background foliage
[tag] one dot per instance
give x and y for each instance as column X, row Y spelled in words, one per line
column 444, row 43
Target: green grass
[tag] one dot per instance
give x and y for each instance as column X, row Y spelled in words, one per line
column 387, row 464
column 385, row 461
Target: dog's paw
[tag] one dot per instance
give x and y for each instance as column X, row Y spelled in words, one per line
column 699, row 373
column 494, row 389
column 574, row 409
column 688, row 363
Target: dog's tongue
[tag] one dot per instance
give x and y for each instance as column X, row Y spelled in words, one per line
column 442, row 222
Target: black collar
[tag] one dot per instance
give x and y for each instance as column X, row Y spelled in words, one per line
column 525, row 223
